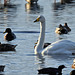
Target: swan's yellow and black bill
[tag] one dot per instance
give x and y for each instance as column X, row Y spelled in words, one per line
column 37, row 20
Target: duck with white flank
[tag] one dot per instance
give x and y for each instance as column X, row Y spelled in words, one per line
column 10, row 35
column 73, row 65
column 61, row 30
column 51, row 70
column 58, row 47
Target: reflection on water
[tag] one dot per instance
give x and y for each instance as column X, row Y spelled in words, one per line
column 61, row 57
column 20, row 17
column 58, row 6
column 40, row 61
column 60, row 37
column 7, row 14
column 33, row 8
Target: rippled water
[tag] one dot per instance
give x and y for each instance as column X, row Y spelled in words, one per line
column 19, row 17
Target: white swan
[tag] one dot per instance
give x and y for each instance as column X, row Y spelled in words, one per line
column 58, row 47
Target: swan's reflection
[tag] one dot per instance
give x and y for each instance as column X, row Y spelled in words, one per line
column 33, row 8
column 62, row 57
column 41, row 61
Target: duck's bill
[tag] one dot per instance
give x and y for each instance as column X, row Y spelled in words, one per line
column 4, row 32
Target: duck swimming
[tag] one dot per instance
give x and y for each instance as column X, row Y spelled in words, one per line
column 51, row 70
column 45, row 44
column 73, row 65
column 2, row 68
column 72, row 72
column 61, row 30
column 10, row 35
column 58, row 47
column 7, row 47
column 67, row 27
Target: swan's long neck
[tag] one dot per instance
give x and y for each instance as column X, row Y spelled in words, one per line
column 41, row 38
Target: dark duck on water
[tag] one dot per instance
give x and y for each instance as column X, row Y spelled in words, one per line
column 10, row 35
column 7, row 47
column 51, row 70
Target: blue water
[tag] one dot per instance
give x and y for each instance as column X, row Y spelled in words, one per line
column 20, row 19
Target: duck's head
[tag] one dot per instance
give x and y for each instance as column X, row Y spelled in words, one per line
column 65, row 24
column 61, row 67
column 40, row 18
column 60, row 26
column 8, row 30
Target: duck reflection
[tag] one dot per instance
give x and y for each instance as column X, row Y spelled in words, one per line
column 33, row 8
column 58, row 5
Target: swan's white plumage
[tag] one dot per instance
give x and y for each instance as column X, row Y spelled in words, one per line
column 58, row 47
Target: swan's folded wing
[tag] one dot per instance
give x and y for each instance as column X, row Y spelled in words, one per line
column 63, row 46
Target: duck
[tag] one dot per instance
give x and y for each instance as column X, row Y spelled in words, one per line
column 7, row 47
column 45, row 44
column 10, row 35
column 73, row 65
column 61, row 30
column 32, row 1
column 2, row 68
column 67, row 27
column 72, row 72
column 57, row 47
column 52, row 70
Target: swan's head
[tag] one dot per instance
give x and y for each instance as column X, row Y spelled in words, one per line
column 40, row 18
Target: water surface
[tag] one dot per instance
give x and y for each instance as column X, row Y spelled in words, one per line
column 20, row 19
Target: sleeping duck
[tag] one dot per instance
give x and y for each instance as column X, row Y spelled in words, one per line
column 7, row 47
column 10, row 35
column 61, row 30
column 51, row 70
